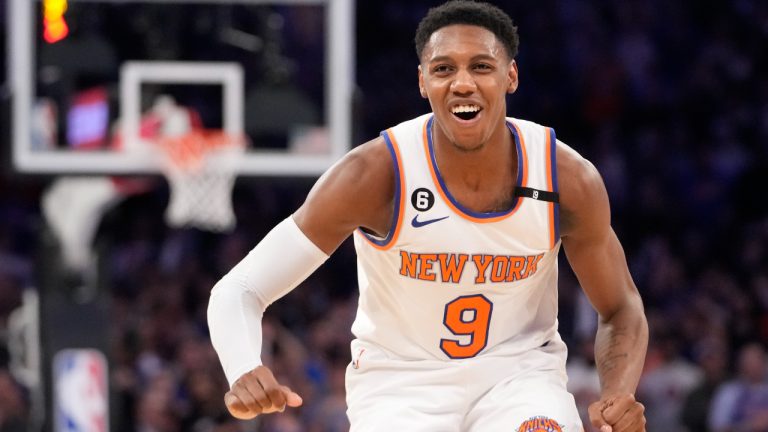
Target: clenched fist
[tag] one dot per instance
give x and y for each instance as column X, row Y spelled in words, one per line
column 258, row 392
column 620, row 413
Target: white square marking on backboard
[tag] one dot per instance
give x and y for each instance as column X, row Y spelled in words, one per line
column 135, row 73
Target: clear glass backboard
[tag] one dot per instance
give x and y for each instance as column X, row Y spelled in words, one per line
column 100, row 79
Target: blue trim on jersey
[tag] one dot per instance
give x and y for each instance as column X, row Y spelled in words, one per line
column 465, row 210
column 396, row 211
column 553, row 167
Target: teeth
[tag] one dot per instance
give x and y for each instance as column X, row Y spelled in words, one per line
column 465, row 108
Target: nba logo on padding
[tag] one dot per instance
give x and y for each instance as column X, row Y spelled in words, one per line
column 80, row 391
column 540, row 424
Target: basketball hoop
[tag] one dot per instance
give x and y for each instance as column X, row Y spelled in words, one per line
column 200, row 168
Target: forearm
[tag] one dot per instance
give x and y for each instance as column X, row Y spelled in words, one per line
column 282, row 260
column 620, row 348
column 234, row 321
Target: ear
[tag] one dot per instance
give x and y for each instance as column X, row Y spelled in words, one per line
column 422, row 89
column 512, row 77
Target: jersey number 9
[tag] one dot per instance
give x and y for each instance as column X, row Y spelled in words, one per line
column 467, row 316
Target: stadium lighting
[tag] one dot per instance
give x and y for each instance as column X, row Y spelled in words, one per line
column 54, row 26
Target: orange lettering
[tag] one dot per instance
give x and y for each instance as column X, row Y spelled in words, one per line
column 499, row 268
column 533, row 261
column 426, row 265
column 408, row 264
column 481, row 266
column 516, row 265
column 452, row 266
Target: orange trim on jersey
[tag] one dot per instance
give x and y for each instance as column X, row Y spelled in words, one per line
column 401, row 186
column 551, row 205
column 447, row 199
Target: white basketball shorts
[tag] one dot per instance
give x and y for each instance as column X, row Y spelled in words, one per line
column 523, row 393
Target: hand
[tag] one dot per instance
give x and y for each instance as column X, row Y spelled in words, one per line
column 620, row 413
column 258, row 392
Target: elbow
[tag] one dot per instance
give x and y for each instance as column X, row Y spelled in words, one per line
column 215, row 305
column 630, row 318
column 229, row 297
column 219, row 291
column 630, row 312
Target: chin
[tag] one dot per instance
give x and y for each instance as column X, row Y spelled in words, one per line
column 463, row 137
column 470, row 140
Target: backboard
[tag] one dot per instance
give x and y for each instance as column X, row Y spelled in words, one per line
column 278, row 71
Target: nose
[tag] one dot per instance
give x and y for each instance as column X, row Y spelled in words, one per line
column 463, row 83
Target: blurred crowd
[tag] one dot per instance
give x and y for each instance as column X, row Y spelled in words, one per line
column 668, row 99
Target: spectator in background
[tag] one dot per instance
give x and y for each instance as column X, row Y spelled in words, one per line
column 712, row 357
column 13, row 404
column 741, row 405
column 663, row 389
column 158, row 410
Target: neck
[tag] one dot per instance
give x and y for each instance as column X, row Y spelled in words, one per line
column 487, row 164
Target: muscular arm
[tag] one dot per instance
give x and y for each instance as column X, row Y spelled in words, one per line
column 598, row 261
column 356, row 192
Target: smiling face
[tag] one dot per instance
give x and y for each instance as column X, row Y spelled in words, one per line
column 466, row 73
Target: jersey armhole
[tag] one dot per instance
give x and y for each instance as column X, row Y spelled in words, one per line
column 554, row 207
column 394, row 228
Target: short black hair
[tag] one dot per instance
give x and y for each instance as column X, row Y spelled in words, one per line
column 472, row 13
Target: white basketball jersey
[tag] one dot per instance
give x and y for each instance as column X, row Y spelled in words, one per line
column 451, row 283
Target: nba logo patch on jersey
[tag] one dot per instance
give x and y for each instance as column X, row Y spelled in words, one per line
column 540, row 424
column 80, row 391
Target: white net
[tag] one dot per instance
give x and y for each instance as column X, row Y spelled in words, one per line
column 200, row 168
column 73, row 207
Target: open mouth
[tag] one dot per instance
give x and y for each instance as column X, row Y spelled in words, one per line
column 466, row 112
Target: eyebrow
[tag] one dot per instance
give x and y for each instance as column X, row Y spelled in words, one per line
column 475, row 58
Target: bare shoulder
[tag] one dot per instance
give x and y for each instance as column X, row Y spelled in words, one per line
column 363, row 178
column 368, row 162
column 583, row 197
column 355, row 192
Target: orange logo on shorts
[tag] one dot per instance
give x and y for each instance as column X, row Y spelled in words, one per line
column 540, row 424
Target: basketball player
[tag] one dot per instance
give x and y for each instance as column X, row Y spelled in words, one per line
column 457, row 217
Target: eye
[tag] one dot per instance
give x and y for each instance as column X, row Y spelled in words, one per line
column 441, row 69
column 483, row 67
